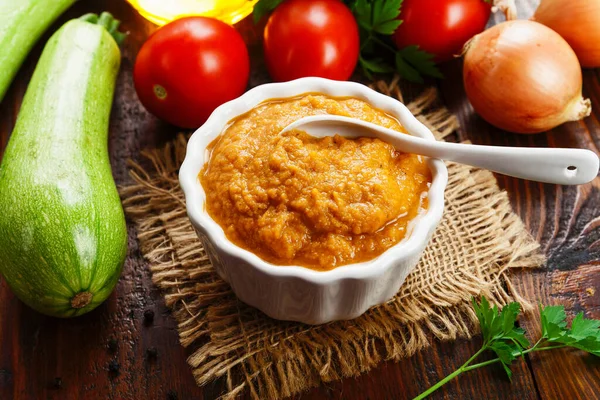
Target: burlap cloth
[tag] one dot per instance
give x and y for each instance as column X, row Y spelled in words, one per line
column 472, row 252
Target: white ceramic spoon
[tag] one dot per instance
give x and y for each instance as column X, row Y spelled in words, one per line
column 550, row 165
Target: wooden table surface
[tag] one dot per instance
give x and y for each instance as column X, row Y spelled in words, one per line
column 104, row 354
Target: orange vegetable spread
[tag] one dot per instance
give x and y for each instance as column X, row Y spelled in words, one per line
column 320, row 203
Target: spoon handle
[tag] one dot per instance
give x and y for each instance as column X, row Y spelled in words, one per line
column 549, row 165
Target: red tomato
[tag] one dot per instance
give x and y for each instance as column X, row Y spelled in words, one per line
column 441, row 27
column 311, row 38
column 189, row 67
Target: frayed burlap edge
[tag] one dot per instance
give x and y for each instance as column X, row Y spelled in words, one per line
column 479, row 240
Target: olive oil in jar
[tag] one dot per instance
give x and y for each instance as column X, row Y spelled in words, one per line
column 163, row 11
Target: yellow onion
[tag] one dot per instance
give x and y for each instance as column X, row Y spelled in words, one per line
column 578, row 22
column 523, row 77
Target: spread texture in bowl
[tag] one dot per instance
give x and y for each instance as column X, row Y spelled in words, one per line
column 320, row 203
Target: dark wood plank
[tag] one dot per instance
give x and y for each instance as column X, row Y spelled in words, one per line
column 35, row 350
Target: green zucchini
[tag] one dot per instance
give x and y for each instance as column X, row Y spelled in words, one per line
column 63, row 237
column 22, row 22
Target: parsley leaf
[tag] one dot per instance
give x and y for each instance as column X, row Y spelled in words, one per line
column 590, row 345
column 377, row 66
column 407, row 71
column 385, row 16
column 499, row 332
column 378, row 16
column 421, row 60
column 486, row 316
column 507, row 353
column 509, row 315
column 584, row 333
column 504, row 351
column 582, row 328
column 554, row 321
column 518, row 335
column 412, row 63
column 264, row 7
column 497, row 324
column 362, row 12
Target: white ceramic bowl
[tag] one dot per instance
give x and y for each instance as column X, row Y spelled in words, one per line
column 293, row 292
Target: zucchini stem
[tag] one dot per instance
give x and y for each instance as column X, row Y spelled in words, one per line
column 108, row 22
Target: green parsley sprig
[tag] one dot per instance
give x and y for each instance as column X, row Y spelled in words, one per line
column 501, row 336
column 377, row 21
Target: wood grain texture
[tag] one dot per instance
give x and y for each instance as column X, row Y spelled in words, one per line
column 112, row 353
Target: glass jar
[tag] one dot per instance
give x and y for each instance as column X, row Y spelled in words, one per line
column 163, row 11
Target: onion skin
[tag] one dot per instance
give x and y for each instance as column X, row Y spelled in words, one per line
column 508, row 7
column 578, row 22
column 522, row 77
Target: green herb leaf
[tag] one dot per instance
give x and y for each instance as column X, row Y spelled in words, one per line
column 375, row 66
column 385, row 16
column 264, row 7
column 407, row 71
column 362, row 13
column 584, row 335
column 518, row 335
column 497, row 324
column 508, row 371
column 506, row 352
column 582, row 328
column 590, row 345
column 554, row 321
column 379, row 16
column 509, row 315
column 421, row 61
column 485, row 315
